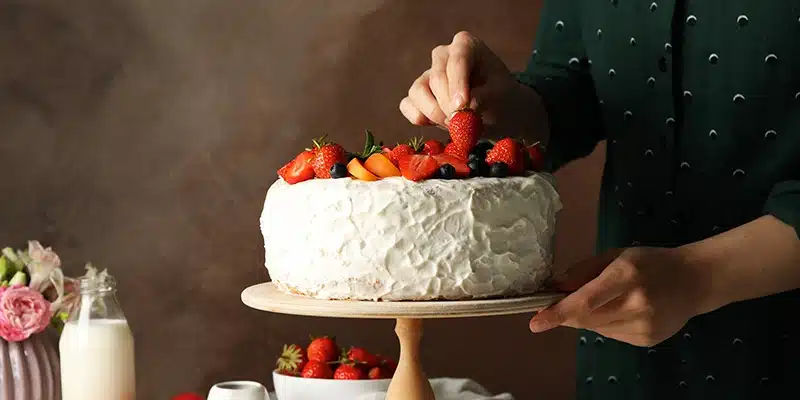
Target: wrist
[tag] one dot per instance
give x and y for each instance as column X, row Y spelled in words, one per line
column 706, row 276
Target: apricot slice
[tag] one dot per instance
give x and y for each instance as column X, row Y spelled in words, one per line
column 381, row 166
column 355, row 168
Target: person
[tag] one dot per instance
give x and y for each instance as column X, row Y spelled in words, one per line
column 693, row 291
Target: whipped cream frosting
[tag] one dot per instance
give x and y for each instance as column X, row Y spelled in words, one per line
column 395, row 239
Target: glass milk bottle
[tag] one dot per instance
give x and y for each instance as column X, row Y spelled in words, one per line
column 96, row 345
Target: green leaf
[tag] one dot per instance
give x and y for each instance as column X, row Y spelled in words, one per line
column 370, row 147
column 6, row 268
column 19, row 278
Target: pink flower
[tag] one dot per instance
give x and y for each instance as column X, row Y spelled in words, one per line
column 23, row 312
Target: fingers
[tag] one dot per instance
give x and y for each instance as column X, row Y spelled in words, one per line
column 459, row 68
column 423, row 100
column 412, row 114
column 438, row 79
column 445, row 87
column 611, row 283
column 613, row 312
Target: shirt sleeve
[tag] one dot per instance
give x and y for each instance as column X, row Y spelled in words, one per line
column 559, row 71
column 784, row 203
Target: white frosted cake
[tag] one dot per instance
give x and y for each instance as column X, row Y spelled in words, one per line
column 401, row 240
column 430, row 223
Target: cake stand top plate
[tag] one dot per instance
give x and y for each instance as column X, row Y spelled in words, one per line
column 267, row 297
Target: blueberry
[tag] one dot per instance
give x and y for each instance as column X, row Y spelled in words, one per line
column 339, row 170
column 482, row 148
column 477, row 167
column 447, row 171
column 499, row 170
column 473, row 156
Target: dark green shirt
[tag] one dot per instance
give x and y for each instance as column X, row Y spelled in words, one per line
column 699, row 103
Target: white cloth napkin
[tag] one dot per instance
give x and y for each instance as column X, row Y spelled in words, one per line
column 446, row 389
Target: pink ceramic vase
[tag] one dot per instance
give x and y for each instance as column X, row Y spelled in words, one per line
column 29, row 370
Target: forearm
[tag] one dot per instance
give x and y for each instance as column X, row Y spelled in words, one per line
column 754, row 260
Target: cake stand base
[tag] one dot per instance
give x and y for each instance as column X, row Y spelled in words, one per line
column 409, row 381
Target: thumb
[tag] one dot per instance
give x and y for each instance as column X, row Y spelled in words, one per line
column 582, row 272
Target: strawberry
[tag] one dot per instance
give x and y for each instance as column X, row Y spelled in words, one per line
column 465, row 127
column 432, row 147
column 387, row 363
column 288, row 373
column 317, row 370
column 378, row 373
column 508, row 151
column 323, row 349
column 325, row 155
column 417, row 167
column 299, row 169
column 292, row 359
column 362, row 357
column 187, row 396
column 461, row 167
column 348, row 372
column 535, row 156
column 457, row 151
column 387, row 151
column 401, row 150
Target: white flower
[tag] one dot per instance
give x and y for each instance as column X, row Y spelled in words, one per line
column 42, row 263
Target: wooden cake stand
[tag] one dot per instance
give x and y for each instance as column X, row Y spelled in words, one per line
column 409, row 381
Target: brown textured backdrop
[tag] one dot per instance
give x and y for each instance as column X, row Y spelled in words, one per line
column 142, row 135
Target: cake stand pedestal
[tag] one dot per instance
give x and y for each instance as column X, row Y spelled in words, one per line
column 409, row 381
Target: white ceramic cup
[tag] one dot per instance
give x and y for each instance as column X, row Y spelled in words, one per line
column 238, row 390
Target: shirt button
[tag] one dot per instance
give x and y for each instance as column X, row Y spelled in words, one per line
column 662, row 64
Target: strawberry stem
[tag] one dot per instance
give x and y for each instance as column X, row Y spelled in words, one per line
column 416, row 143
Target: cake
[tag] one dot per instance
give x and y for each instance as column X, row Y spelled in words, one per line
column 437, row 222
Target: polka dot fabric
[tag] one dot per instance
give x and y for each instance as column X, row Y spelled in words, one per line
column 699, row 103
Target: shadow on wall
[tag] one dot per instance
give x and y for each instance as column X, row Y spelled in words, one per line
column 143, row 135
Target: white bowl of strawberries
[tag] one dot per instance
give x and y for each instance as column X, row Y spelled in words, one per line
column 324, row 370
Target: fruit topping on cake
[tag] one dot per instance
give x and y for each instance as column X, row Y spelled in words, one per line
column 510, row 152
column 483, row 147
column 359, row 172
column 405, row 149
column 323, row 359
column 339, row 170
column 432, row 147
column 535, row 157
column 381, row 166
column 466, row 155
column 299, row 169
column 498, row 170
column 452, row 149
column 418, row 167
column 325, row 156
column 459, row 166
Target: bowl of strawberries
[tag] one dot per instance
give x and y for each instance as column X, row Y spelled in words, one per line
column 326, row 370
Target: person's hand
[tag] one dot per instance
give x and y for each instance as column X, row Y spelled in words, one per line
column 641, row 296
column 465, row 73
